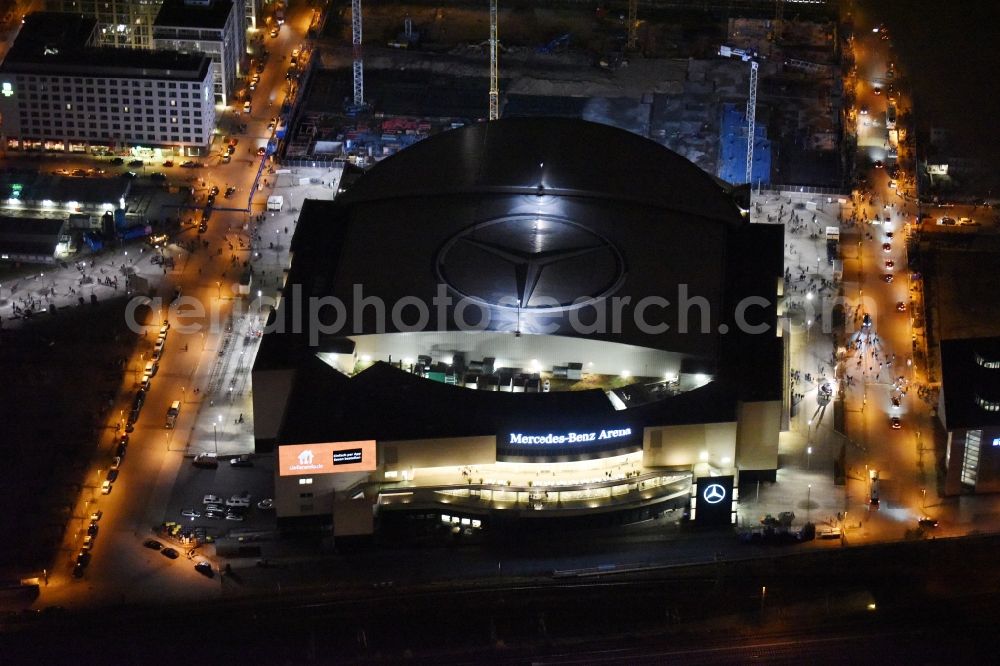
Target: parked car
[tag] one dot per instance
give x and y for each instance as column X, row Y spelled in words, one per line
column 117, row 161
column 92, row 528
column 895, row 423
column 230, row 191
column 265, row 504
column 168, row 163
column 927, row 522
column 214, row 514
column 170, row 553
column 211, row 499
column 241, row 461
column 204, row 568
column 234, row 516
column 106, row 488
column 135, row 163
column 152, row 544
column 96, row 515
column 191, row 513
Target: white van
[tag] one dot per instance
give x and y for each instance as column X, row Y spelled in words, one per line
column 175, row 409
column 151, row 368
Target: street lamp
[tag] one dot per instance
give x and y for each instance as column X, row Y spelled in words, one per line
column 923, row 498
column 808, row 500
column 218, row 287
column 809, row 452
column 215, row 428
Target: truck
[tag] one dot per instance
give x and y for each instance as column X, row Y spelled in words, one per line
column 832, row 244
column 890, row 116
column 172, row 412
column 275, row 202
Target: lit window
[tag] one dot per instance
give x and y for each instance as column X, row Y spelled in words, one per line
column 306, row 482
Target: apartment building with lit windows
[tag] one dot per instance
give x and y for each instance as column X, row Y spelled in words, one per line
column 213, row 27
column 120, row 23
column 58, row 91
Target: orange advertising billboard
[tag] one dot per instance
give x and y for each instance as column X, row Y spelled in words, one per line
column 327, row 458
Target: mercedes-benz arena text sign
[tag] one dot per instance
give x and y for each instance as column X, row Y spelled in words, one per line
column 326, row 458
column 550, row 439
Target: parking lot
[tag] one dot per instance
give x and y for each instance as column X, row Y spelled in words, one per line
column 194, row 483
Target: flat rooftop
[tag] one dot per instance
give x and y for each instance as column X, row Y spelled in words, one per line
column 181, row 14
column 56, row 43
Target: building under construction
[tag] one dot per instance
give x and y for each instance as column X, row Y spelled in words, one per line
column 426, row 69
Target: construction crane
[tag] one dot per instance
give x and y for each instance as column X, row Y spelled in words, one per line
column 750, row 56
column 494, row 71
column 633, row 25
column 359, row 65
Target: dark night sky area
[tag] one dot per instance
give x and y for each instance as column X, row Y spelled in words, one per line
column 951, row 53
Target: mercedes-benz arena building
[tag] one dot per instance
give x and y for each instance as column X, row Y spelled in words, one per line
column 528, row 321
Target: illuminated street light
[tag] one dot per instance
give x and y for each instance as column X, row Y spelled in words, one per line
column 809, row 452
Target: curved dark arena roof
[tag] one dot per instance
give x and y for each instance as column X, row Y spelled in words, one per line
column 548, row 212
column 564, row 156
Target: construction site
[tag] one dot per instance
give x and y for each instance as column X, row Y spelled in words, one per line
column 383, row 76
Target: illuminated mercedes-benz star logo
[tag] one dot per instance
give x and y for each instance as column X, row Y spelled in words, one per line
column 532, row 263
column 714, row 493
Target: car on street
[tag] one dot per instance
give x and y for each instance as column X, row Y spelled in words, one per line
column 168, row 163
column 895, row 423
column 887, row 277
column 170, row 553
column 873, row 488
column 96, row 515
column 241, row 461
column 78, row 571
column 234, row 516
column 88, row 541
column 190, row 164
column 927, row 522
column 214, row 514
column 878, row 164
column 157, row 176
column 204, row 568
column 83, row 557
column 152, row 544
column 230, row 191
column 886, row 247
column 191, row 513
column 206, row 460
column 129, row 174
column 211, row 499
column 214, row 191
column 274, row 32
column 122, row 447
column 202, row 227
column 113, row 474
column 261, row 151
column 900, row 306
column 889, row 263
column 864, row 110
column 135, row 163
column 218, row 508
column 230, row 150
column 895, row 401
column 106, row 488
column 117, row 161
column 211, row 200
column 266, row 504
column 866, row 321
column 947, row 221
column 877, row 90
column 92, row 528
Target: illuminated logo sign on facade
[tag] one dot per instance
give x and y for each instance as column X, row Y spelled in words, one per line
column 328, row 458
column 569, row 437
column 7, row 89
column 714, row 493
